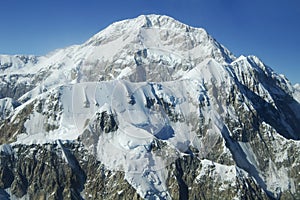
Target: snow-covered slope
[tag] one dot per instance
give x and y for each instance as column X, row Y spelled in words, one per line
column 155, row 103
column 297, row 92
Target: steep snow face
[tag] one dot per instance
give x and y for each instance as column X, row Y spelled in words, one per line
column 17, row 63
column 297, row 92
column 160, row 32
column 155, row 48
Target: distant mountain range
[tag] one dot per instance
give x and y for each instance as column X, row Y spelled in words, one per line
column 148, row 108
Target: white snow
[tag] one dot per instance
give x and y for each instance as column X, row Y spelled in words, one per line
column 297, row 92
column 220, row 173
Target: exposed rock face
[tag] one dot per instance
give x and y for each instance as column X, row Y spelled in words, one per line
column 64, row 171
column 148, row 108
column 60, row 171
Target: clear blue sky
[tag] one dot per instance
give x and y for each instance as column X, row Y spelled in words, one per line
column 269, row 29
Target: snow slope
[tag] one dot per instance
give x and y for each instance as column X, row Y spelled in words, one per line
column 297, row 92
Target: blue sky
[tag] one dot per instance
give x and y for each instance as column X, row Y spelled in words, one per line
column 269, row 29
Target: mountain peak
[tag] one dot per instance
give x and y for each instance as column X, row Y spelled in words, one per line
column 156, row 34
column 159, row 21
column 152, row 20
column 132, row 26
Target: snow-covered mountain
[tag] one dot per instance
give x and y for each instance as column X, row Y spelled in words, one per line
column 148, row 108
